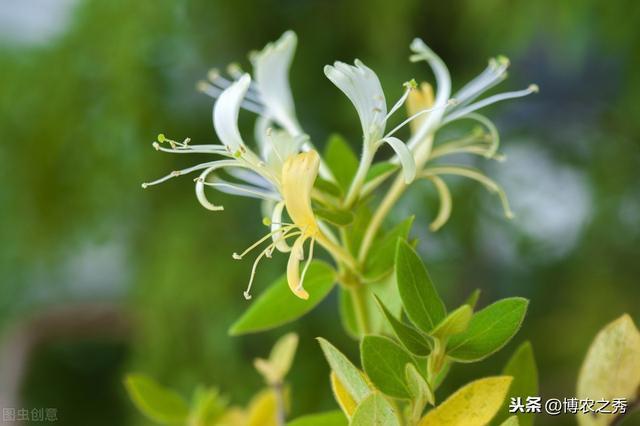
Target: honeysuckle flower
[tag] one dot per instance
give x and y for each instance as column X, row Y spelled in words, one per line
column 464, row 107
column 269, row 95
column 362, row 86
column 441, row 114
column 252, row 176
column 299, row 172
column 282, row 167
column 271, row 67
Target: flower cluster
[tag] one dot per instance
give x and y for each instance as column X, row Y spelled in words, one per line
column 282, row 166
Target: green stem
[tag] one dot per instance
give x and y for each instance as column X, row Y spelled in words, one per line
column 421, row 155
column 358, row 298
column 361, row 174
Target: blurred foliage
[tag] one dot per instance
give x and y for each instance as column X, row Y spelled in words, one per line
column 78, row 114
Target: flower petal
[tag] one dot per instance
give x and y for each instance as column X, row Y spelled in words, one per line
column 293, row 268
column 271, row 69
column 423, row 53
column 405, row 156
column 299, row 173
column 362, row 87
column 225, row 113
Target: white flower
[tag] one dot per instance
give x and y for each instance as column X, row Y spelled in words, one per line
column 443, row 112
column 362, row 87
column 271, row 68
column 250, row 174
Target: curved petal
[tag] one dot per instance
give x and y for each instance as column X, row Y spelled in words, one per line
column 444, row 211
column 225, row 114
column 405, row 156
column 423, row 53
column 293, row 268
column 201, row 182
column 362, row 87
column 271, row 69
column 276, row 225
column 299, row 173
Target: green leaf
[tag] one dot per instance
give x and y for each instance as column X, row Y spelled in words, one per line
column 420, row 391
column 456, row 322
column 347, row 313
column 375, row 410
column 356, row 231
column 379, row 169
column 489, row 330
column 329, row 418
column 611, row 368
column 385, row 289
column 350, row 377
column 160, row 404
column 328, row 187
column 379, row 262
column 511, row 421
column 472, row 300
column 335, row 216
column 207, row 406
column 522, row 367
column 410, row 338
column 341, row 160
column 474, row 404
column 384, row 362
column 419, row 296
column 278, row 305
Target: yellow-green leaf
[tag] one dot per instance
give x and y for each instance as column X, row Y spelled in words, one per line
column 454, row 323
column 522, row 367
column 612, row 367
column 160, row 404
column 233, row 417
column 263, row 409
column 342, row 396
column 349, row 375
column 375, row 410
column 473, row 405
column 328, row 418
column 511, row 421
column 279, row 363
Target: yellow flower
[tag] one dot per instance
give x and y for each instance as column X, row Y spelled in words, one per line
column 417, row 101
column 299, row 172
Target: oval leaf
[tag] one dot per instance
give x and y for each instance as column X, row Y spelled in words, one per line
column 420, row 391
column 341, row 159
column 380, row 260
column 456, row 322
column 489, row 330
column 611, row 369
column 522, row 367
column 419, row 296
column 160, row 404
column 375, row 410
column 344, row 369
column 473, row 405
column 410, row 338
column 384, row 362
column 330, row 418
column 278, row 305
column 342, row 396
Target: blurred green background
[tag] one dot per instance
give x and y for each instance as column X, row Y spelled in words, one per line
column 100, row 277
